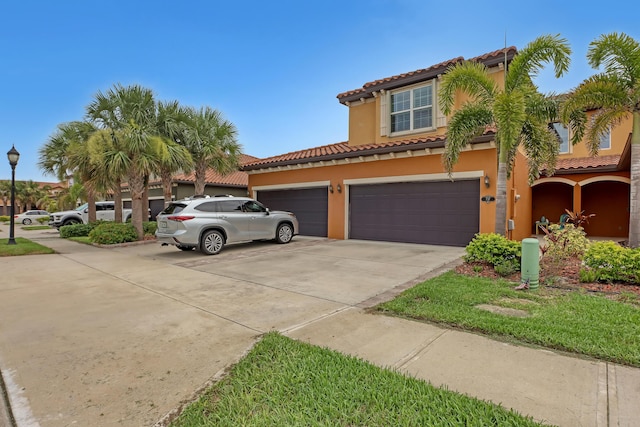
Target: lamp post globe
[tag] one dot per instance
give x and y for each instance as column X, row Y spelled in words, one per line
column 13, row 157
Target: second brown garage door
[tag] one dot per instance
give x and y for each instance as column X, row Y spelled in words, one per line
column 439, row 213
column 310, row 205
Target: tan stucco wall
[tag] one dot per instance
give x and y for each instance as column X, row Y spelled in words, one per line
column 364, row 117
column 619, row 137
column 479, row 161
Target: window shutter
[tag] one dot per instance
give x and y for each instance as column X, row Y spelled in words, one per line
column 384, row 114
column 441, row 119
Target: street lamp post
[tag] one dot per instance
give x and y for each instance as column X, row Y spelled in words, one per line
column 13, row 157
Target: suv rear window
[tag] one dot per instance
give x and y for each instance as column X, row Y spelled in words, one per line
column 207, row 207
column 230, row 205
column 174, row 208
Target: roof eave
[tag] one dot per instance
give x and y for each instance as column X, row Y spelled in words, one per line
column 367, row 152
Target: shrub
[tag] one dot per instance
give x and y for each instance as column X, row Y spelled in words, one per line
column 611, row 262
column 507, row 267
column 496, row 250
column 76, row 230
column 110, row 233
column 4, row 218
column 149, row 228
column 566, row 242
column 43, row 221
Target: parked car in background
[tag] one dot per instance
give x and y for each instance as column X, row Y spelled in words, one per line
column 30, row 217
column 208, row 223
column 105, row 211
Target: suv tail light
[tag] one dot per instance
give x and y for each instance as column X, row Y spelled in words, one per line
column 180, row 218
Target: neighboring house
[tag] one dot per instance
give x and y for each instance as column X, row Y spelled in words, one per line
column 597, row 185
column 387, row 181
column 234, row 183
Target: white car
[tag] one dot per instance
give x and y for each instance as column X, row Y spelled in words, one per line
column 29, row 217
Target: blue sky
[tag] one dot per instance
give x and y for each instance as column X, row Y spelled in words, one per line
column 273, row 68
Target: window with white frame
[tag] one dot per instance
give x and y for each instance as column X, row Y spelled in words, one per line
column 605, row 140
column 412, row 109
column 562, row 134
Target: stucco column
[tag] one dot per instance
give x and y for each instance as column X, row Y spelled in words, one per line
column 577, row 198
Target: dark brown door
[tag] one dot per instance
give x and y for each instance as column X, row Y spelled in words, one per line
column 439, row 213
column 308, row 204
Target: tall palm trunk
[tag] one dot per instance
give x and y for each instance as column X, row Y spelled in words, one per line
column 634, row 213
column 117, row 202
column 501, row 199
column 200, row 177
column 166, row 186
column 136, row 187
column 91, row 201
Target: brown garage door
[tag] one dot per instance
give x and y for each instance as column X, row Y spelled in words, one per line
column 308, row 204
column 439, row 213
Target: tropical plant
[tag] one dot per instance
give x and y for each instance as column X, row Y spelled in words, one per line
column 211, row 140
column 130, row 114
column 171, row 124
column 5, row 193
column 614, row 94
column 66, row 153
column 518, row 111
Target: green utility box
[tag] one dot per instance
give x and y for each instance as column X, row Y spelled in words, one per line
column 530, row 263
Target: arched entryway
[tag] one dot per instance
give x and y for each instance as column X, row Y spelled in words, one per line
column 550, row 199
column 609, row 201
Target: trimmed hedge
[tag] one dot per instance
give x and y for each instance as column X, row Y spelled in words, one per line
column 503, row 254
column 111, row 233
column 609, row 262
column 76, row 230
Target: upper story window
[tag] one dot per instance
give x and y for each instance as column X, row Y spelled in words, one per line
column 412, row 109
column 562, row 134
column 605, row 140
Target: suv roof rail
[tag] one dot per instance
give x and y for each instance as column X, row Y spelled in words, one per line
column 223, row 195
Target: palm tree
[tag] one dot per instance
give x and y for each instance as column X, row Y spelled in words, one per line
column 130, row 114
column 5, row 193
column 615, row 94
column 30, row 194
column 66, row 152
column 171, row 123
column 211, row 140
column 518, row 111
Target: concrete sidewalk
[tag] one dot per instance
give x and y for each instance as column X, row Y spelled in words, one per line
column 124, row 336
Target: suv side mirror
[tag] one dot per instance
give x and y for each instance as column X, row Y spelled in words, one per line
column 267, row 211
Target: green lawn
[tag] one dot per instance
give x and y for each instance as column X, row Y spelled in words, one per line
column 283, row 382
column 578, row 322
column 22, row 247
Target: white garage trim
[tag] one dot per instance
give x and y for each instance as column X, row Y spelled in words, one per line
column 411, row 178
column 312, row 184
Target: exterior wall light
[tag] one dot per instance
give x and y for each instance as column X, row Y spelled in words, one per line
column 339, row 188
column 487, row 182
column 330, row 188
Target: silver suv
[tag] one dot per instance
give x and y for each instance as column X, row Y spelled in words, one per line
column 209, row 223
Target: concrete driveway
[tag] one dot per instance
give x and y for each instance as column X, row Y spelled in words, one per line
column 124, row 336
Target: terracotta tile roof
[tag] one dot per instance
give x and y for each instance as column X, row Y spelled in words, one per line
column 343, row 150
column 611, row 161
column 489, row 59
column 234, row 179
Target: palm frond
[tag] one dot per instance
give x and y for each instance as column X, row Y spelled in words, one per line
column 466, row 123
column 468, row 77
column 619, row 54
column 530, row 60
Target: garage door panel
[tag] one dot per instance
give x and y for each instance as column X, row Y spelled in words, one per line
column 445, row 213
column 310, row 205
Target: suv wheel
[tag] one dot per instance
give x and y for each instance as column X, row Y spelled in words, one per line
column 212, row 242
column 284, row 234
column 26, row 221
column 71, row 222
